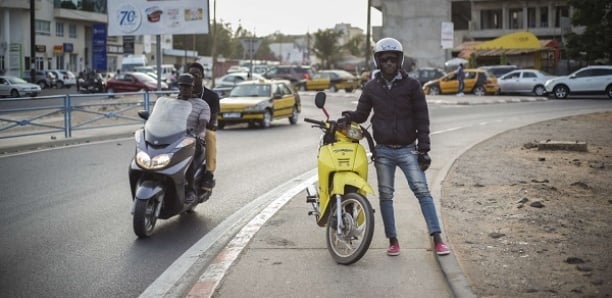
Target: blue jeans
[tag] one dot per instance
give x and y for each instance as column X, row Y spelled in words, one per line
column 406, row 158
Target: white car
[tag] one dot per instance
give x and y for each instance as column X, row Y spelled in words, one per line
column 524, row 81
column 65, row 78
column 226, row 83
column 587, row 80
column 17, row 87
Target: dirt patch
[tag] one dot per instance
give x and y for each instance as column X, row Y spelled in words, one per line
column 530, row 223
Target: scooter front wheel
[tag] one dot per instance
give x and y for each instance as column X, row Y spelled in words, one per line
column 349, row 244
column 144, row 217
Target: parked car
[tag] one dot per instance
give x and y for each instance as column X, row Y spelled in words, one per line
column 226, row 83
column 426, row 74
column 258, row 103
column 292, row 73
column 499, row 70
column 133, row 82
column 65, row 78
column 476, row 81
column 43, row 78
column 237, row 68
column 587, row 80
column 16, row 87
column 333, row 79
column 524, row 81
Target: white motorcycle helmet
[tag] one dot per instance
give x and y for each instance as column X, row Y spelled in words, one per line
column 388, row 45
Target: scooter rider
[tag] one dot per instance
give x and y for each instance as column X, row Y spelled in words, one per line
column 200, row 113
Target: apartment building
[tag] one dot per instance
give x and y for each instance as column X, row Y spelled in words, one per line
column 417, row 24
column 64, row 35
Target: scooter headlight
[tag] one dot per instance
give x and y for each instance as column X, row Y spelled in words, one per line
column 353, row 132
column 157, row 162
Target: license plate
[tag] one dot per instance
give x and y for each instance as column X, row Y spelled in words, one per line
column 231, row 115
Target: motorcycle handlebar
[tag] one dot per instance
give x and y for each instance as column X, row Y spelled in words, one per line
column 313, row 121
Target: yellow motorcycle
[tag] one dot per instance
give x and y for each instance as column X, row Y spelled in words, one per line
column 340, row 203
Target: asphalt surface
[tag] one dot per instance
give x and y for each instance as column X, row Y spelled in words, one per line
column 260, row 251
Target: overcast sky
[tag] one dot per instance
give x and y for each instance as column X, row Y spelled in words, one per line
column 291, row 17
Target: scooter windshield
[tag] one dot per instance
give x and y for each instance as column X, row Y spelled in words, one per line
column 168, row 121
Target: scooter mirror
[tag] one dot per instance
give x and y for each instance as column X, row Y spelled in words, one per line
column 320, row 99
column 144, row 114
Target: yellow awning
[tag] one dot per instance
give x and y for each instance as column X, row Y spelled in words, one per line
column 518, row 40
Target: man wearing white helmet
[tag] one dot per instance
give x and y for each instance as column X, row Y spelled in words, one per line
column 401, row 130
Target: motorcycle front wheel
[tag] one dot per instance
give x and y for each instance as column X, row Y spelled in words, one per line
column 349, row 244
column 144, row 217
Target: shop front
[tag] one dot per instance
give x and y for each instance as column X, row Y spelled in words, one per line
column 522, row 49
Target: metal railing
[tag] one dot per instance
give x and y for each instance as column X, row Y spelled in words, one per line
column 70, row 112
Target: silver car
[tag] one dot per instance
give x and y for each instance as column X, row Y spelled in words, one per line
column 17, row 87
column 524, row 81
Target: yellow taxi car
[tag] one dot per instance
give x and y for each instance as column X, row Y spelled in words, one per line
column 258, row 103
column 333, row 79
column 477, row 81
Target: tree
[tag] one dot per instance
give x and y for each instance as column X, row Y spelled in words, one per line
column 595, row 44
column 356, row 46
column 326, row 47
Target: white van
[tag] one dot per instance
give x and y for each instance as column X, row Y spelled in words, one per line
column 166, row 70
column 129, row 62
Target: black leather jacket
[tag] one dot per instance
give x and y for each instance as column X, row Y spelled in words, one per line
column 401, row 116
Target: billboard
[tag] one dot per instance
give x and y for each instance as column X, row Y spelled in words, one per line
column 447, row 39
column 142, row 17
column 99, row 47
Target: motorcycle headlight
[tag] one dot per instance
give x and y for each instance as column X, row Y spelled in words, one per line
column 157, row 162
column 353, row 132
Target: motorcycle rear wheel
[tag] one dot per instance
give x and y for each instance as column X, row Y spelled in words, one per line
column 144, row 217
column 354, row 240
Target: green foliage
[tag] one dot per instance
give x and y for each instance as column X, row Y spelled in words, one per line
column 356, row 46
column 326, row 47
column 472, row 61
column 503, row 59
column 595, row 44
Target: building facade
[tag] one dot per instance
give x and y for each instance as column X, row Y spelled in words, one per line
column 66, row 38
column 417, row 24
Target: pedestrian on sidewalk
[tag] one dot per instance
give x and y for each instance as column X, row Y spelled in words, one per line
column 460, row 79
column 401, row 130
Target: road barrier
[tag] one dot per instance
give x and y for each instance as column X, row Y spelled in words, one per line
column 70, row 112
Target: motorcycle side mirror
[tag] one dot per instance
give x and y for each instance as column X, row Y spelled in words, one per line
column 320, row 99
column 320, row 102
column 144, row 114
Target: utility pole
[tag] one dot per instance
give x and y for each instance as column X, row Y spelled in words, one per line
column 213, row 51
column 367, row 41
column 32, row 41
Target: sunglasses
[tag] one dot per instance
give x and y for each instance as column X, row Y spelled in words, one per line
column 195, row 74
column 388, row 59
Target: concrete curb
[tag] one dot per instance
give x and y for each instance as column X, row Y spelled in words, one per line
column 52, row 140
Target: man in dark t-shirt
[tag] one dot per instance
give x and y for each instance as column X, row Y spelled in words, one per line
column 212, row 99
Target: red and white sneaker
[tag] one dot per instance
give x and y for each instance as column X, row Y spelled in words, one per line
column 394, row 249
column 441, row 249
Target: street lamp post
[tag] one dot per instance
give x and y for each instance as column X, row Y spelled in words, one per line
column 367, row 41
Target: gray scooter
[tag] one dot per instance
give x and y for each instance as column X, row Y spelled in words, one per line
column 167, row 166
